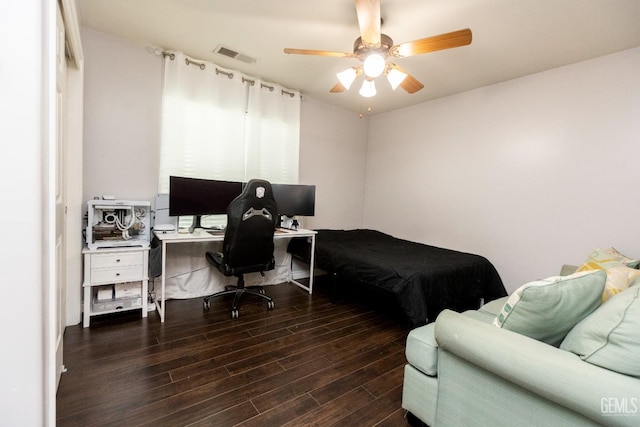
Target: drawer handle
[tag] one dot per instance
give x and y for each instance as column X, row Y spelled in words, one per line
column 118, row 260
column 117, row 274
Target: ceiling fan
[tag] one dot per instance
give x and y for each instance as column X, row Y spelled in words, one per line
column 376, row 51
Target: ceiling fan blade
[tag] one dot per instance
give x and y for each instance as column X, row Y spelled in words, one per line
column 432, row 44
column 368, row 12
column 319, row 52
column 410, row 83
column 337, row 88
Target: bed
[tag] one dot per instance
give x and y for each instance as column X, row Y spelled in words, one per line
column 422, row 280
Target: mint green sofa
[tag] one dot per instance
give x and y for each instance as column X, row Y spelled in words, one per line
column 464, row 371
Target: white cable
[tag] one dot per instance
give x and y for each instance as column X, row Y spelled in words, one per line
column 123, row 227
column 136, row 216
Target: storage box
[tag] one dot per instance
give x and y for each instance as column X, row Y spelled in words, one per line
column 128, row 290
column 104, row 293
column 115, row 304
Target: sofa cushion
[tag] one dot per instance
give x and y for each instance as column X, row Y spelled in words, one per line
column 422, row 349
column 610, row 336
column 548, row 309
column 568, row 269
column 494, row 307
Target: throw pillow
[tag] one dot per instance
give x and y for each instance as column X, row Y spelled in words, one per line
column 619, row 274
column 610, row 336
column 548, row 309
column 619, row 278
column 610, row 256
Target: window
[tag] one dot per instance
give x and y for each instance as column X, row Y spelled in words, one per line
column 219, row 124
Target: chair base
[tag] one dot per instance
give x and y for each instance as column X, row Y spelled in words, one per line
column 238, row 292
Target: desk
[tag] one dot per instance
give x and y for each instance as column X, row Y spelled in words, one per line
column 203, row 236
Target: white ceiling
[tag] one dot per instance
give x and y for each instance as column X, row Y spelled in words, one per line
column 511, row 38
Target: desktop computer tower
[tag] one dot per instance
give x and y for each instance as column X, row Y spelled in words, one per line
column 115, row 223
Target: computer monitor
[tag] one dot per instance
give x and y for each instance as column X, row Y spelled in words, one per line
column 295, row 199
column 197, row 197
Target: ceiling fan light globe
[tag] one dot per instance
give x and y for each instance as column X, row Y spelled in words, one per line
column 395, row 77
column 373, row 65
column 347, row 77
column 368, row 89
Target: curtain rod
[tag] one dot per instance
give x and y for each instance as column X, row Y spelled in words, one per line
column 202, row 66
column 284, row 92
column 226, row 73
column 199, row 64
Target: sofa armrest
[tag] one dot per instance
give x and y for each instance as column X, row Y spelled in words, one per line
column 547, row 371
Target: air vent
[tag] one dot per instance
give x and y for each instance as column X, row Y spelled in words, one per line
column 225, row 51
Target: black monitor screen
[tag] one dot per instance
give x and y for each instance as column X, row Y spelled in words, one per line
column 194, row 196
column 295, row 199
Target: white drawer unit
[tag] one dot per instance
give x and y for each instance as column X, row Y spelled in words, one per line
column 105, row 267
column 115, row 275
column 100, row 259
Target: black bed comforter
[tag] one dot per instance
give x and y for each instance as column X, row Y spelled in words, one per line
column 423, row 279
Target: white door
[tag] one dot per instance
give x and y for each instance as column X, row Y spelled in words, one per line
column 60, row 208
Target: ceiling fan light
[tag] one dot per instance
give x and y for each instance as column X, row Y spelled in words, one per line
column 373, row 65
column 368, row 89
column 395, row 77
column 347, row 77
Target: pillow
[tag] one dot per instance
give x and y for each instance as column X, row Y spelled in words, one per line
column 548, row 309
column 610, row 336
column 619, row 274
column 603, row 258
column 619, row 278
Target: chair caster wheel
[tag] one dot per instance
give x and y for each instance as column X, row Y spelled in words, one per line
column 270, row 305
column 261, row 291
column 206, row 305
column 234, row 314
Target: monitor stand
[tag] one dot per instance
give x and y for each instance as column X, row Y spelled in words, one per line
column 197, row 223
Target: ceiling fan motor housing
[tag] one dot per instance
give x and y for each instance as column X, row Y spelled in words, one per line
column 361, row 49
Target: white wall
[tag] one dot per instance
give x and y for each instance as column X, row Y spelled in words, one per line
column 531, row 173
column 24, row 84
column 121, row 118
column 333, row 144
column 121, row 135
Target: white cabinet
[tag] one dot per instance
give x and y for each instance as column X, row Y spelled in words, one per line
column 115, row 279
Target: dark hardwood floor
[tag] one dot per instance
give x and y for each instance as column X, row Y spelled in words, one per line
column 307, row 362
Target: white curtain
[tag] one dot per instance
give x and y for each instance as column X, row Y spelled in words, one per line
column 203, row 122
column 273, row 133
column 220, row 124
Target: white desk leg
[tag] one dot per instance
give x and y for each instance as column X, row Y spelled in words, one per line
column 145, row 284
column 160, row 304
column 312, row 262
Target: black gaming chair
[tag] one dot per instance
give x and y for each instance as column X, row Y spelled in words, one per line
column 248, row 241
